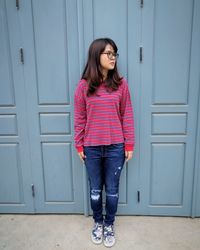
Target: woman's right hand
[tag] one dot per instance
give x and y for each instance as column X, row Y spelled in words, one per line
column 82, row 156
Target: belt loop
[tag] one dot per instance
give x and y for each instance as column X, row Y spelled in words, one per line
column 101, row 151
column 104, row 150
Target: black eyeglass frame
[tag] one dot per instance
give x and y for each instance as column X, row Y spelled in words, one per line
column 110, row 55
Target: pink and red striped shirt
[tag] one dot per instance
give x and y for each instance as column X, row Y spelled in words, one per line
column 103, row 119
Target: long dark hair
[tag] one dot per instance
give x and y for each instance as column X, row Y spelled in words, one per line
column 92, row 72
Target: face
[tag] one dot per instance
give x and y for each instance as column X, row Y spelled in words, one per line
column 106, row 63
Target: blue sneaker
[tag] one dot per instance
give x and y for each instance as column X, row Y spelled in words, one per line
column 108, row 236
column 97, row 233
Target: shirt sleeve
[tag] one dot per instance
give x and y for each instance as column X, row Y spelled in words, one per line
column 80, row 117
column 126, row 111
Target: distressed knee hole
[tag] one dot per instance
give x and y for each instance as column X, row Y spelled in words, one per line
column 95, row 197
column 95, row 194
column 112, row 195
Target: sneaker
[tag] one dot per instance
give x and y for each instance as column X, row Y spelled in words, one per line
column 97, row 233
column 108, row 236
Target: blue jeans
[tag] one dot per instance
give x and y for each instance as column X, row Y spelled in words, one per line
column 104, row 164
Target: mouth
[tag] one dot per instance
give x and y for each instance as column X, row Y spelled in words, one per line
column 112, row 63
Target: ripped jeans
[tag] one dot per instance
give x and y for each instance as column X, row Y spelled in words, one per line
column 104, row 164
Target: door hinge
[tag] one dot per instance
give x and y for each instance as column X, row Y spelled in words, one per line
column 17, row 4
column 33, row 190
column 138, row 196
column 141, row 3
column 141, row 54
column 22, row 55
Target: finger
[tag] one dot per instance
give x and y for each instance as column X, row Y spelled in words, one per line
column 82, row 156
column 129, row 155
column 82, row 159
column 81, row 153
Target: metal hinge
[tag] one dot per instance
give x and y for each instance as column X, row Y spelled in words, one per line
column 22, row 55
column 138, row 196
column 33, row 190
column 141, row 54
column 17, row 4
column 141, row 3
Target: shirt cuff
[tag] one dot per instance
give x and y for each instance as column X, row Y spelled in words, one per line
column 129, row 147
column 79, row 149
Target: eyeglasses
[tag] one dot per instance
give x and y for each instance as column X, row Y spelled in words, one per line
column 111, row 55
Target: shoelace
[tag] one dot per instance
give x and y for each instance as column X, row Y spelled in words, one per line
column 108, row 233
column 97, row 231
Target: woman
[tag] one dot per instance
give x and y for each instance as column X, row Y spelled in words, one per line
column 104, row 132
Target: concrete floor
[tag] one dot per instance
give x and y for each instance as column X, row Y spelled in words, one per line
column 72, row 232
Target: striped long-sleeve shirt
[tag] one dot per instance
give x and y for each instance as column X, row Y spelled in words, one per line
column 103, row 119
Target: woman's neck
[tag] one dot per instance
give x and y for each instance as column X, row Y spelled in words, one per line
column 105, row 74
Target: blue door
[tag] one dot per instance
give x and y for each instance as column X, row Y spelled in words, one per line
column 54, row 69
column 40, row 172
column 158, row 42
column 43, row 48
column 15, row 168
column 119, row 20
column 169, row 105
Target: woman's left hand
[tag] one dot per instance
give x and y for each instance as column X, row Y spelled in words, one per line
column 128, row 155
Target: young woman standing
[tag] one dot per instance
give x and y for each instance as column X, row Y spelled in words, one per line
column 104, row 132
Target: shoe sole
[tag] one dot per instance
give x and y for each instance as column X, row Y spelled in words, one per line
column 105, row 244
